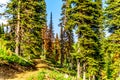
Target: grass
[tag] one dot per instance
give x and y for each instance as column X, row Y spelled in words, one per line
column 46, row 74
column 118, row 78
column 10, row 57
column 13, row 58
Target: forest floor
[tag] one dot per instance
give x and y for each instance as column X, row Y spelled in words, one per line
column 17, row 72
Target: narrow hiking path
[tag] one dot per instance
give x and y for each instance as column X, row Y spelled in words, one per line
column 25, row 75
column 17, row 72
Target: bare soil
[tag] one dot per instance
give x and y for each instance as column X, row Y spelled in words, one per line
column 16, row 72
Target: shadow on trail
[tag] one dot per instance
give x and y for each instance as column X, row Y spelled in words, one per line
column 9, row 70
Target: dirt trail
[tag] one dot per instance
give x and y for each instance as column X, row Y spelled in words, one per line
column 23, row 75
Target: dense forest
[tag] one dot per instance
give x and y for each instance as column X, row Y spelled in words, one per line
column 91, row 55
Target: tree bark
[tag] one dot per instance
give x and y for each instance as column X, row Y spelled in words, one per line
column 119, row 74
column 62, row 47
column 17, row 48
column 84, row 72
column 78, row 69
column 93, row 77
column 90, row 77
column 71, row 64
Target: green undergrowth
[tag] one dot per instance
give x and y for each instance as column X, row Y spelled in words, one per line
column 7, row 55
column 46, row 74
column 118, row 78
column 13, row 58
column 64, row 69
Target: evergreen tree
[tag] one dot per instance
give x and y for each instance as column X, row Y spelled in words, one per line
column 66, row 36
column 26, row 29
column 112, row 14
column 57, row 48
column 1, row 30
column 51, row 28
column 33, row 24
column 85, row 18
column 62, row 42
column 45, row 40
column 62, row 32
column 50, row 39
column 17, row 40
column 11, row 13
column 113, row 51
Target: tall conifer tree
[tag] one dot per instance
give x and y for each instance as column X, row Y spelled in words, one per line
column 84, row 17
column 112, row 14
column 66, row 36
column 17, row 40
column 30, row 25
column 50, row 39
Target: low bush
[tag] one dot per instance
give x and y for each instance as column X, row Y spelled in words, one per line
column 13, row 58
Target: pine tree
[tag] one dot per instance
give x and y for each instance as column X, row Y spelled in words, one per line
column 57, row 48
column 26, row 29
column 11, row 13
column 113, row 51
column 84, row 17
column 33, row 24
column 62, row 47
column 112, row 15
column 51, row 28
column 66, row 36
column 62, row 32
column 50, row 40
column 17, row 40
column 45, row 40
column 1, row 30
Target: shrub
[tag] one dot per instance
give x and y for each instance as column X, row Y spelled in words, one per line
column 11, row 57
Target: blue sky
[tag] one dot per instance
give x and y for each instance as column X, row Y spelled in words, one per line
column 54, row 6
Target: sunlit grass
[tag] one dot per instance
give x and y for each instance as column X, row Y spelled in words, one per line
column 46, row 74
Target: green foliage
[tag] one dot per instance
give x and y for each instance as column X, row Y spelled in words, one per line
column 15, row 59
column 85, row 16
column 113, row 41
column 41, row 75
column 48, row 74
column 112, row 15
column 118, row 78
column 111, row 56
column 98, row 57
column 1, row 30
column 11, row 57
column 32, row 19
column 66, row 35
column 33, row 22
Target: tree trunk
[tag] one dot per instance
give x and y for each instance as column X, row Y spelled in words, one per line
column 17, row 49
column 62, row 47
column 119, row 74
column 93, row 77
column 90, row 77
column 71, row 63
column 84, row 72
column 62, row 58
column 78, row 69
